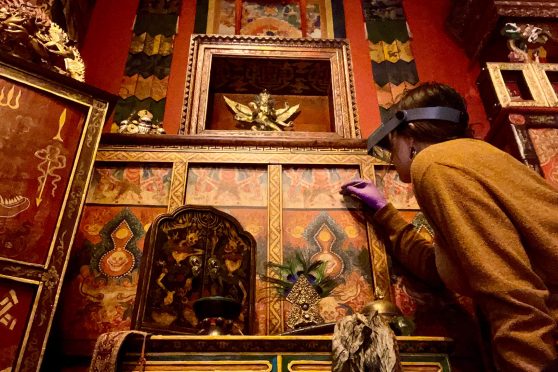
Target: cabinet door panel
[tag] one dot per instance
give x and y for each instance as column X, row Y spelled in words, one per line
column 49, row 134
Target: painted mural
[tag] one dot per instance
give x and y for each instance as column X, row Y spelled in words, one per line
column 242, row 193
column 15, row 307
column 338, row 237
column 39, row 136
column 305, row 187
column 271, row 18
column 144, row 184
column 398, row 193
column 100, row 285
column 254, row 220
column 545, row 141
column 227, row 186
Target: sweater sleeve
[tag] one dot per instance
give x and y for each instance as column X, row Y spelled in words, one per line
column 474, row 229
column 408, row 246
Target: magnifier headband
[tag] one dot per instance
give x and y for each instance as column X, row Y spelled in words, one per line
column 407, row 116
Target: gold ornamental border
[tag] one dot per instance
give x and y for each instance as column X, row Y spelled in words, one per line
column 495, row 71
column 541, row 70
column 204, row 47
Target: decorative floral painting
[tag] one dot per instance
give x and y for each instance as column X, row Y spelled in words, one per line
column 39, row 136
column 227, row 186
column 103, row 272
column 144, row 184
column 340, row 239
column 305, row 187
column 545, row 141
column 15, row 307
column 271, row 18
column 398, row 193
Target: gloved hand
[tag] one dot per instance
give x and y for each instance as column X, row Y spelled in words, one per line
column 366, row 192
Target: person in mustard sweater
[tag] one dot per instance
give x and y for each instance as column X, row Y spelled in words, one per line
column 495, row 223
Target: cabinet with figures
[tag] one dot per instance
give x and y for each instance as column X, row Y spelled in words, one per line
column 269, row 134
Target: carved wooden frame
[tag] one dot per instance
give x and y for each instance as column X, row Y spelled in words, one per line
column 275, row 157
column 272, row 353
column 495, row 71
column 540, row 70
column 204, row 47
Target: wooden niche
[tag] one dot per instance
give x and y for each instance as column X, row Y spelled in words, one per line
column 315, row 74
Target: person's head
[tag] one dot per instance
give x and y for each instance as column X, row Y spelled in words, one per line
column 411, row 136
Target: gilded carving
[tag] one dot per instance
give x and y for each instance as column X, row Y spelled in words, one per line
column 178, row 185
column 26, row 31
column 205, row 48
column 380, row 270
column 261, row 113
column 275, row 248
column 505, row 91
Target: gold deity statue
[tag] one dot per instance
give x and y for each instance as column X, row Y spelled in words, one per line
column 261, row 115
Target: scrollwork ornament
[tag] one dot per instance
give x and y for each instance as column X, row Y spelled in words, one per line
column 50, row 278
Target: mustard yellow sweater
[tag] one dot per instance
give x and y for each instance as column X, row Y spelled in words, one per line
column 496, row 225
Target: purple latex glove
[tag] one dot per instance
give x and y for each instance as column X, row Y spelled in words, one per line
column 366, row 192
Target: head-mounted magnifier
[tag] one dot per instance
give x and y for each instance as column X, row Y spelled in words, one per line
column 378, row 141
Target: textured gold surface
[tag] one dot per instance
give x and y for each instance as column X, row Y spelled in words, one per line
column 495, row 70
column 177, row 193
column 540, row 70
column 275, row 246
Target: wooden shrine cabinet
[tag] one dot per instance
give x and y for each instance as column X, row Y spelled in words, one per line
column 50, row 129
column 269, row 354
column 522, row 106
column 286, row 194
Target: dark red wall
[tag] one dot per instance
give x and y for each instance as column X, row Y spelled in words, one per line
column 437, row 56
column 106, row 44
column 367, row 101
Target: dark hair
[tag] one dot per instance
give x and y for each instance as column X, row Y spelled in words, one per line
column 433, row 131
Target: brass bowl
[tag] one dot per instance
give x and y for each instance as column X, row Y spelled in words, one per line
column 217, row 307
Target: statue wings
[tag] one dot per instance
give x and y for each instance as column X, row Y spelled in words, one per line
column 282, row 115
column 242, row 112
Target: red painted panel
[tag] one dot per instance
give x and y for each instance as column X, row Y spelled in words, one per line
column 39, row 137
column 367, row 101
column 106, row 44
column 15, row 307
column 439, row 58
